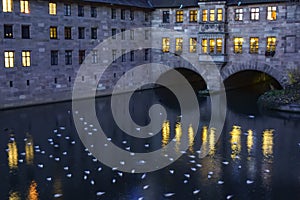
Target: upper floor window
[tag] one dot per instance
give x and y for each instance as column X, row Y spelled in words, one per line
column 238, row 15
column 132, row 55
column 271, row 46
column 212, row 45
column 271, row 13
column 9, row 59
column 204, row 15
column 94, row 56
column 146, row 55
column 93, row 11
column 94, row 32
column 8, row 31
column 123, row 14
column 238, row 45
column 147, row 34
column 67, row 9
column 193, row 45
column 68, row 57
column 81, row 32
column 131, row 34
column 179, row 16
column 220, row 14
column 80, row 11
column 81, row 56
column 178, row 45
column 114, row 33
column 193, row 15
column 147, row 16
column 212, row 15
column 113, row 13
column 254, row 45
column 254, row 14
column 68, row 33
column 52, row 8
column 123, row 31
column 204, row 46
column 26, row 61
column 53, row 32
column 114, row 55
column 131, row 15
column 123, row 57
column 219, row 45
column 166, row 45
column 7, row 5
column 166, row 17
column 54, row 57
column 25, row 31
column 24, row 6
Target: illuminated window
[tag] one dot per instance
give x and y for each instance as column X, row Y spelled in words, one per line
column 166, row 17
column 219, row 45
column 193, row 15
column 53, row 32
column 81, row 32
column 68, row 57
column 54, row 57
column 204, row 15
column 193, row 45
column 113, row 13
column 254, row 45
column 8, row 31
column 94, row 56
column 238, row 16
column 254, row 14
column 123, row 33
column 220, row 14
column 7, row 5
column 271, row 45
column 123, row 57
column 114, row 55
column 9, row 59
column 211, row 15
column 80, row 11
column 212, row 45
column 271, row 13
column 26, row 59
column 24, row 6
column 238, row 45
column 166, row 45
column 68, row 33
column 114, row 33
column 67, row 9
column 178, row 45
column 204, row 46
column 93, row 11
column 52, row 8
column 94, row 33
column 179, row 16
column 81, row 54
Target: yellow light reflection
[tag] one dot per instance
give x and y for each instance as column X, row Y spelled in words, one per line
column 29, row 150
column 235, row 142
column 14, row 196
column 204, row 140
column 32, row 191
column 191, row 138
column 250, row 141
column 212, row 140
column 178, row 134
column 12, row 155
column 267, row 144
column 165, row 133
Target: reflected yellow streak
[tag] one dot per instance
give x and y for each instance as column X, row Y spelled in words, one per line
column 191, row 138
column 267, row 144
column 14, row 196
column 165, row 133
column 32, row 191
column 212, row 140
column 235, row 141
column 250, row 141
column 178, row 134
column 12, row 155
column 29, row 150
column 204, row 140
column 57, row 186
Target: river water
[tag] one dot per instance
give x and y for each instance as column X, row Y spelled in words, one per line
column 256, row 157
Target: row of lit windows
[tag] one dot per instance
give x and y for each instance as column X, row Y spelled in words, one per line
column 212, row 45
column 7, row 6
column 212, row 15
column 255, row 13
column 254, row 45
column 179, row 45
column 193, row 15
column 9, row 59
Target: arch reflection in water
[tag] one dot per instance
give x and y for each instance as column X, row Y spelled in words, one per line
column 32, row 191
column 178, row 135
column 250, row 141
column 165, row 133
column 235, row 142
column 267, row 144
column 191, row 138
column 12, row 154
column 29, row 149
column 208, row 141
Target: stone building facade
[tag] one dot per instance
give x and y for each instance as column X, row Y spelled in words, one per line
column 43, row 43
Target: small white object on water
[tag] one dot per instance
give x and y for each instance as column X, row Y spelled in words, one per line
column 62, row 128
column 187, row 175
column 67, row 137
column 90, row 133
column 87, row 172
column 120, row 174
column 114, row 168
column 92, row 182
column 127, row 148
column 192, row 161
column 64, row 153
column 132, row 154
column 57, row 195
column 146, row 187
column 22, row 154
column 249, row 182
column 66, row 168
column 114, row 180
column 143, row 176
column 193, row 169
column 185, row 181
column 86, row 128
column 133, row 171
column 122, row 162
column 210, row 173
column 69, row 175
column 198, row 152
column 196, row 191
column 267, row 171
column 225, row 163
column 124, row 142
column 229, row 196
column 169, row 194
column 220, row 182
column 21, row 161
column 57, row 159
column 147, row 145
column 48, row 178
column 100, row 193
column 192, row 156
column 73, row 142
column 40, row 165
column 140, row 198
column 208, row 176
column 85, row 177
column 171, row 159
column 138, row 129
column 239, row 166
column 95, row 159
column 55, row 131
column 171, row 171
column 199, row 165
column 99, row 169
column 251, row 116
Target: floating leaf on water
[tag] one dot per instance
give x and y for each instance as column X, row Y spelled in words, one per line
column 57, row 195
column 171, row 171
column 143, row 176
column 229, row 196
column 146, row 187
column 196, row 191
column 220, row 182
column 100, row 193
column 169, row 194
column 249, row 182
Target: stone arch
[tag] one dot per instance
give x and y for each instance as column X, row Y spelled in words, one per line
column 234, row 68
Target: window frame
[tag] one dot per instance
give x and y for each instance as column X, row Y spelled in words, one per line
column 80, row 10
column 270, row 13
column 254, row 13
column 54, row 57
column 8, row 31
column 94, row 12
column 166, row 16
column 238, row 47
column 68, row 57
column 253, row 45
column 204, row 15
column 219, row 48
column 193, row 16
column 179, row 16
column 81, row 56
column 123, row 14
column 193, row 45
column 7, row 6
column 165, row 44
column 179, row 45
column 239, row 14
column 81, row 33
column 52, row 8
column 68, row 33
column 53, row 31
column 25, row 31
column 9, row 59
column 24, row 6
column 271, row 44
column 219, row 14
column 212, row 15
column 26, row 58
column 204, row 46
column 113, row 13
column 67, row 9
column 94, row 33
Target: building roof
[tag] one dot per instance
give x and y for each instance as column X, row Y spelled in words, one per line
column 246, row 2
column 133, row 3
column 174, row 3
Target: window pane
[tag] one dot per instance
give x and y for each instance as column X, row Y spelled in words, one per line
column 204, row 45
column 9, row 59
column 204, row 15
column 212, row 44
column 272, row 14
column 179, row 44
column 52, row 8
column 220, row 14
column 254, row 45
column 238, row 45
column 193, row 45
column 7, row 5
column 24, row 6
column 26, row 59
column 179, row 16
column 166, row 45
column 211, row 15
column 219, row 45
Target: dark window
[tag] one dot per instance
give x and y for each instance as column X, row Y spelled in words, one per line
column 122, row 14
column 67, row 9
column 68, row 33
column 54, row 57
column 81, row 32
column 131, row 15
column 147, row 16
column 25, row 31
column 123, row 33
column 8, row 31
column 68, row 57
column 166, row 17
column 93, row 12
column 113, row 33
column 80, row 11
column 81, row 56
column 132, row 56
column 113, row 13
column 94, row 33
column 146, row 54
column 123, row 55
